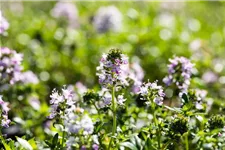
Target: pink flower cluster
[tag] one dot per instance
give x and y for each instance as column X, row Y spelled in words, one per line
column 4, row 109
column 58, row 101
column 110, row 71
column 4, row 25
column 152, row 91
column 179, row 71
column 10, row 65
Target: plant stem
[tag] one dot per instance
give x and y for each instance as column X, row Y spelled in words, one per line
column 114, row 117
column 170, row 102
column 186, row 141
column 158, row 131
column 1, row 136
column 63, row 136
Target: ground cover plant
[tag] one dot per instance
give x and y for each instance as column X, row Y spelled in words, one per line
column 112, row 75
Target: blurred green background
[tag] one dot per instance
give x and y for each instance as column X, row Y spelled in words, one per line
column 151, row 31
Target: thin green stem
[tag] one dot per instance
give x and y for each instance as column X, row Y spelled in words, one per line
column 114, row 117
column 186, row 141
column 1, row 136
column 96, row 107
column 63, row 136
column 170, row 102
column 158, row 131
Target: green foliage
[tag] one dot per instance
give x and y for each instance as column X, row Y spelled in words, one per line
column 152, row 32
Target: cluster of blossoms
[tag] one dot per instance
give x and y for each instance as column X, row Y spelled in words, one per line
column 10, row 65
column 106, row 97
column 4, row 25
column 180, row 70
column 152, row 91
column 136, row 74
column 110, row 71
column 29, row 77
column 59, row 102
column 72, row 141
column 68, row 11
column 4, row 113
column 197, row 97
column 107, row 18
column 76, row 122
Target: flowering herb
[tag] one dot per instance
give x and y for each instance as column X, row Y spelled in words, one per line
column 180, row 71
column 107, row 18
column 4, row 25
column 110, row 71
column 151, row 92
column 4, row 113
column 10, row 65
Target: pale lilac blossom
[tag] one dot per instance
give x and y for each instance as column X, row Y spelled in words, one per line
column 4, row 25
column 121, row 99
column 110, row 70
column 108, row 18
column 4, row 109
column 152, row 92
column 200, row 97
column 95, row 147
column 10, row 65
column 179, row 73
column 209, row 77
column 136, row 73
column 81, row 88
column 76, row 122
column 68, row 11
column 70, row 142
column 66, row 98
column 29, row 77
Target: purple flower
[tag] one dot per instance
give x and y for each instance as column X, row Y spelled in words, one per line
column 179, row 71
column 81, row 88
column 4, row 109
column 152, row 93
column 136, row 74
column 68, row 11
column 209, row 77
column 108, row 18
column 77, row 123
column 95, row 147
column 198, row 97
column 120, row 99
column 83, row 147
column 70, row 142
column 29, row 77
column 57, row 99
column 107, row 98
column 110, row 70
column 10, row 65
column 4, row 25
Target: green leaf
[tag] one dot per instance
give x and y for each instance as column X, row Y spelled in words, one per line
column 173, row 109
column 55, row 139
column 48, row 143
column 185, row 98
column 148, row 145
column 7, row 147
column 24, row 143
column 12, row 145
column 129, row 145
column 33, row 143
